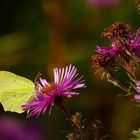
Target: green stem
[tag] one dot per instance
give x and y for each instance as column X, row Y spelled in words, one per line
column 119, row 84
column 131, row 75
column 68, row 116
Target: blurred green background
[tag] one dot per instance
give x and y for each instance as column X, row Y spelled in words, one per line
column 38, row 35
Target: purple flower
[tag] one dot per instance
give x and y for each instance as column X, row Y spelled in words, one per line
column 103, row 3
column 137, row 96
column 110, row 50
column 13, row 129
column 49, row 94
column 106, row 59
column 135, row 44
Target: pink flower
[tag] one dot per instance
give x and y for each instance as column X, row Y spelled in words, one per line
column 103, row 3
column 49, row 94
column 135, row 44
column 106, row 59
column 13, row 129
column 137, row 96
column 110, row 50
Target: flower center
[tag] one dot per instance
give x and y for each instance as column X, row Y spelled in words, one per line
column 48, row 89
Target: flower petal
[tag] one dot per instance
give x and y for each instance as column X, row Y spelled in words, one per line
column 136, row 40
column 35, row 108
column 70, row 94
column 68, row 78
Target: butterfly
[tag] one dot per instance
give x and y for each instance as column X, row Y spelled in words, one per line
column 16, row 91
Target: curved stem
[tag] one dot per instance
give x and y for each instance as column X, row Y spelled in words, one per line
column 68, row 116
column 119, row 84
column 131, row 75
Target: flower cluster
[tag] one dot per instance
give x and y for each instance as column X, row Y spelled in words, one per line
column 124, row 53
column 123, row 48
column 49, row 94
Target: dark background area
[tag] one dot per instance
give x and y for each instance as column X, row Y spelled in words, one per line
column 40, row 35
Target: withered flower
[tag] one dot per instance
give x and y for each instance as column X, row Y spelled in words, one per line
column 137, row 2
column 117, row 33
column 106, row 59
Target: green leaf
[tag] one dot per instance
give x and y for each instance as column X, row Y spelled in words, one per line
column 14, row 91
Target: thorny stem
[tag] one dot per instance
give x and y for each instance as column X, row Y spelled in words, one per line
column 68, row 116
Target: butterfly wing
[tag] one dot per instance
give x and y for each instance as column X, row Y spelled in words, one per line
column 14, row 91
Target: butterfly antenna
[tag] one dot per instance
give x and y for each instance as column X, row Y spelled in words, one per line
column 37, row 77
column 36, row 87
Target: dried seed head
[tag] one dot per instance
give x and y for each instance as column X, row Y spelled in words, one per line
column 117, row 32
column 71, row 136
column 137, row 2
column 101, row 62
column 76, row 119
